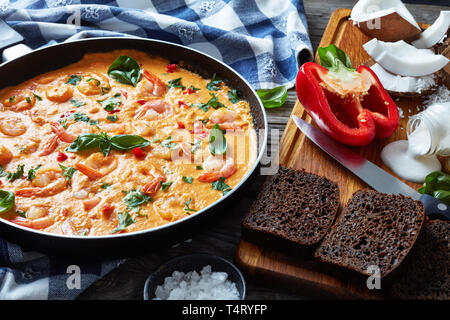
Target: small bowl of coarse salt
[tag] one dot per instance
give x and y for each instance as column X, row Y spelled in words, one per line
column 196, row 277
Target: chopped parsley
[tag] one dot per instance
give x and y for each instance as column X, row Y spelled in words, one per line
column 111, row 103
column 233, row 96
column 214, row 84
column 165, row 185
column 78, row 116
column 68, row 173
column 212, row 103
column 77, row 103
column 12, row 176
column 221, row 186
column 12, row 99
column 37, row 97
column 106, row 185
column 28, row 99
column 187, row 208
column 3, row 172
column 134, row 199
column 112, row 118
column 167, row 142
column 198, row 167
column 176, row 83
column 187, row 179
column 74, row 79
column 32, row 172
column 125, row 220
column 21, row 213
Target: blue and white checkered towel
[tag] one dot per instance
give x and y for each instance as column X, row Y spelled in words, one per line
column 261, row 39
column 264, row 40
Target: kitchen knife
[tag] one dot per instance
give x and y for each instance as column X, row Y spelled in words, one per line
column 370, row 173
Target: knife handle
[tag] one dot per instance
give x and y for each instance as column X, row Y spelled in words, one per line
column 435, row 207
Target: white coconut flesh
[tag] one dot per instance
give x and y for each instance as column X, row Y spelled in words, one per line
column 398, row 84
column 434, row 33
column 365, row 10
column 403, row 59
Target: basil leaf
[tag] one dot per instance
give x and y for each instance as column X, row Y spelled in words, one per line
column 32, row 172
column 85, row 141
column 437, row 184
column 78, row 116
column 217, row 141
column 273, row 98
column 214, row 84
column 128, row 142
column 125, row 220
column 333, row 58
column 7, row 201
column 134, row 199
column 125, row 70
column 233, row 96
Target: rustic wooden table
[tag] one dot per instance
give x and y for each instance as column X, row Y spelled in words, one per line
column 221, row 236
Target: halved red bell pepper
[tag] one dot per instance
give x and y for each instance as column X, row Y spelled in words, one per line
column 349, row 105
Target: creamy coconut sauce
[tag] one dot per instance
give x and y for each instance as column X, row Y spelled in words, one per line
column 173, row 177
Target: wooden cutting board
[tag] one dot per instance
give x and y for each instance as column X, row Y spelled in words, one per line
column 297, row 151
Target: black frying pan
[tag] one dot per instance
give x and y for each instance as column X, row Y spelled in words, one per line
column 53, row 57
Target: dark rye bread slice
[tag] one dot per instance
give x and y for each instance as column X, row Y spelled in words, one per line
column 427, row 275
column 373, row 229
column 293, row 206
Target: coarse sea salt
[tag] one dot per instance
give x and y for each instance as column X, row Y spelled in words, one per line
column 207, row 285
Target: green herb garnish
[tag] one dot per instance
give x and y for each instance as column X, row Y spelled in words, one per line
column 68, row 173
column 134, row 199
column 125, row 70
column 187, row 208
column 273, row 98
column 105, row 143
column 167, row 142
column 77, row 103
column 112, row 118
column 176, row 83
column 437, row 185
column 212, row 103
column 32, row 172
column 233, row 96
column 74, row 79
column 214, row 84
column 111, row 103
column 166, row 185
column 125, row 220
column 217, row 142
column 221, row 186
column 12, row 176
column 7, row 201
column 187, row 179
column 37, row 97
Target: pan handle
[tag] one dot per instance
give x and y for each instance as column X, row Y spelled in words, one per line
column 10, row 42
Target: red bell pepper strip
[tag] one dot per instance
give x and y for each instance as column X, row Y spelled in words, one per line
column 349, row 105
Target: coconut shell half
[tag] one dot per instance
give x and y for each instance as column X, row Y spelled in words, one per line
column 389, row 28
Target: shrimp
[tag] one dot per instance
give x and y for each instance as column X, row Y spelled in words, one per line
column 97, row 166
column 155, row 184
column 5, row 155
column 170, row 208
column 12, row 126
column 91, row 203
column 60, row 92
column 217, row 168
column 40, row 223
column 62, row 134
column 50, row 145
column 225, row 118
column 93, row 84
column 48, row 182
column 151, row 85
column 158, row 105
column 20, row 100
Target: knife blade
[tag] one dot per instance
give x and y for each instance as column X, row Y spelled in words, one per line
column 367, row 171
